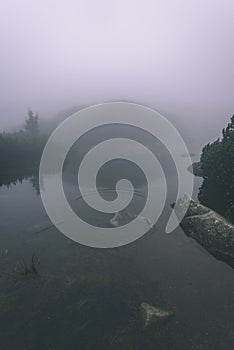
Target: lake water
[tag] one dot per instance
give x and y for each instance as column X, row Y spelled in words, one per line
column 86, row 298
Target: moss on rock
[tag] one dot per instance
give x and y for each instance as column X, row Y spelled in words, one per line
column 209, row 229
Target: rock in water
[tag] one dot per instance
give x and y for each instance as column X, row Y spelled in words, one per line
column 122, row 218
column 150, row 314
column 208, row 228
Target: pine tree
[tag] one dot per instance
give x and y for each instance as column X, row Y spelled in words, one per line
column 31, row 124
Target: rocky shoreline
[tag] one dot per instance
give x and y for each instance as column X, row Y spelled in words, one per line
column 208, row 228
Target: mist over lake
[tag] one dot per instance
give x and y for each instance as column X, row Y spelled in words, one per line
column 161, row 291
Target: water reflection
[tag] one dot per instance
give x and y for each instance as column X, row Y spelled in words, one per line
column 88, row 298
column 11, row 176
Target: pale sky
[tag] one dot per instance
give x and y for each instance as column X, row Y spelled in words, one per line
column 174, row 55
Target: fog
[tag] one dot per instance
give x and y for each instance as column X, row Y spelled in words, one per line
column 175, row 56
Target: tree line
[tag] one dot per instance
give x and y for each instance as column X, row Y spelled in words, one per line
column 23, row 146
column 217, row 164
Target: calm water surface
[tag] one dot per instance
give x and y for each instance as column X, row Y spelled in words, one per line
column 88, row 298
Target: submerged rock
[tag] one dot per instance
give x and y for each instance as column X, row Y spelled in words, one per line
column 119, row 219
column 151, row 314
column 208, row 228
column 122, row 218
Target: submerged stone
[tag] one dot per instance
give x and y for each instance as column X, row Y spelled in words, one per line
column 121, row 218
column 151, row 314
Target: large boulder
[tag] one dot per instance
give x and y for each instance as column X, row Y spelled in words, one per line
column 208, row 228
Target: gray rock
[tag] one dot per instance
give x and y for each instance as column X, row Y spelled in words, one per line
column 119, row 219
column 150, row 314
column 122, row 218
column 208, row 228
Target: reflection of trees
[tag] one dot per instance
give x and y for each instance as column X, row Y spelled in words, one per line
column 14, row 175
column 35, row 183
